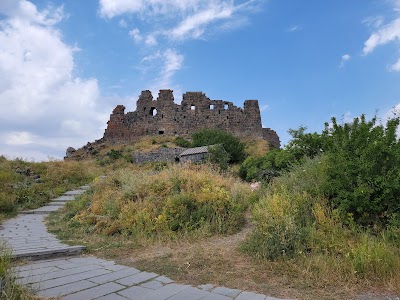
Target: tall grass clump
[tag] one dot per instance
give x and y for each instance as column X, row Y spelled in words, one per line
column 27, row 185
column 9, row 289
column 295, row 221
column 181, row 199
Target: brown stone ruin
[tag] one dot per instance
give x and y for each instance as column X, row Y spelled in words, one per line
column 196, row 112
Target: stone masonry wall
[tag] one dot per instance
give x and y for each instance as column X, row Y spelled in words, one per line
column 196, row 112
column 160, row 155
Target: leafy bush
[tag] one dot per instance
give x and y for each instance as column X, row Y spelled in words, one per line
column 114, row 154
column 181, row 142
column 363, row 178
column 232, row 145
column 219, row 156
column 273, row 162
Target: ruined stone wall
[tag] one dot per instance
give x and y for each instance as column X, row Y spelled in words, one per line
column 271, row 136
column 160, row 155
column 196, row 112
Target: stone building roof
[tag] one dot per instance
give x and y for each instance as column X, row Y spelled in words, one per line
column 196, row 150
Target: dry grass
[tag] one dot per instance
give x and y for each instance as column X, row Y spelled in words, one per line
column 256, row 147
column 218, row 260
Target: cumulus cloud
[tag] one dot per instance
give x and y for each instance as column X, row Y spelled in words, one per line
column 42, row 105
column 346, row 57
column 384, row 34
column 135, row 33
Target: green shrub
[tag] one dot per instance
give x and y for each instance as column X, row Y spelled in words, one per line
column 187, row 199
column 363, row 178
column 219, row 156
column 231, row 144
column 181, row 142
column 114, row 154
column 285, row 214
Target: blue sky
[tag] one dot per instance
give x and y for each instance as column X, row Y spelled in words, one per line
column 64, row 65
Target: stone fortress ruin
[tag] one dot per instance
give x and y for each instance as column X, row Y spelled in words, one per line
column 196, row 111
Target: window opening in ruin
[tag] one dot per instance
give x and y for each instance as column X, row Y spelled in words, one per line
column 160, row 132
column 162, row 116
column 211, row 106
column 153, row 111
column 219, row 112
column 226, row 106
column 227, row 117
column 177, row 159
column 208, row 117
column 192, row 107
column 144, row 109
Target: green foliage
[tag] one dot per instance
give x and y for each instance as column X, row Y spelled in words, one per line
column 284, row 216
column 363, row 178
column 28, row 185
column 296, row 220
column 114, row 154
column 9, row 290
column 219, row 156
column 176, row 200
column 232, row 145
column 181, row 142
column 267, row 166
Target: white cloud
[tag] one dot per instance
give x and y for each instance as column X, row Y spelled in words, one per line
column 346, row 57
column 264, row 107
column 122, row 23
column 43, row 107
column 185, row 19
column 151, row 40
column 294, row 28
column 194, row 25
column 385, row 34
column 135, row 33
column 19, row 138
column 112, row 8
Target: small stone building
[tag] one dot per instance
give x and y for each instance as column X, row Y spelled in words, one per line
column 196, row 155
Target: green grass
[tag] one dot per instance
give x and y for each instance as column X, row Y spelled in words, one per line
column 294, row 222
column 28, row 185
column 9, row 290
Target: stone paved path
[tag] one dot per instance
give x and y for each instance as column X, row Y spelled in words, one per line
column 87, row 277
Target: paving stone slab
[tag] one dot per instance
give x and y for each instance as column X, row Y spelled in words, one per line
column 212, row 296
column 154, row 284
column 115, row 275
column 46, row 253
column 64, row 198
column 190, row 293
column 137, row 278
column 164, row 279
column 250, row 296
column 226, row 291
column 68, row 279
column 95, row 292
column 112, row 296
column 74, row 192
column 66, row 289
